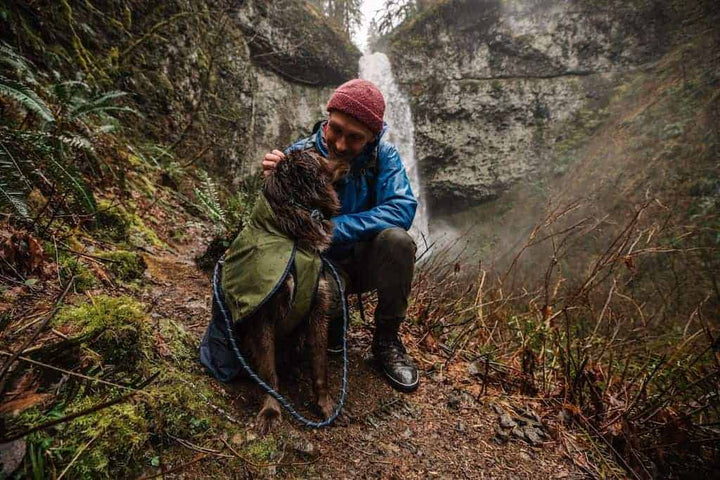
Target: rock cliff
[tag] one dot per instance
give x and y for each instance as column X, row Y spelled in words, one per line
column 217, row 82
column 495, row 85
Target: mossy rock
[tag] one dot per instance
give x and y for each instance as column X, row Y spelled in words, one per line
column 120, row 441
column 111, row 221
column 117, row 328
column 116, row 224
column 126, row 266
column 70, row 265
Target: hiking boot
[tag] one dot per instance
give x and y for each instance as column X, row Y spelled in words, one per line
column 392, row 358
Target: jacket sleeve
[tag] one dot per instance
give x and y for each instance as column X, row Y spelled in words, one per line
column 395, row 203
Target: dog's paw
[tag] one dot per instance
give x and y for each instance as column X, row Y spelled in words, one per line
column 326, row 406
column 267, row 420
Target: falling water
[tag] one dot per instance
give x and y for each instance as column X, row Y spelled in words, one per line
column 375, row 67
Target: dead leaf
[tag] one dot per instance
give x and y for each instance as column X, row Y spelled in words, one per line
column 429, row 343
column 35, row 252
column 161, row 346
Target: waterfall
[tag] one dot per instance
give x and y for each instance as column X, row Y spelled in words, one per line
column 375, row 67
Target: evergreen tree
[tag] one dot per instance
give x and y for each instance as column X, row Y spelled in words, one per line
column 345, row 13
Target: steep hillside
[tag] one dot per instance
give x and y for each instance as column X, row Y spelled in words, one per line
column 531, row 106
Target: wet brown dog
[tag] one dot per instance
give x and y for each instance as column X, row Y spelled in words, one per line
column 298, row 185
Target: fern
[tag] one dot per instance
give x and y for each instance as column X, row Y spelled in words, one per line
column 26, row 97
column 77, row 142
column 51, row 156
column 8, row 162
column 210, row 200
column 102, row 103
column 14, row 184
column 69, row 177
column 14, row 198
column 10, row 58
column 64, row 92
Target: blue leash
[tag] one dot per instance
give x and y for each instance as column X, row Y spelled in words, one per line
column 267, row 388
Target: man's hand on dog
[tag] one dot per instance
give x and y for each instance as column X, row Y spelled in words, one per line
column 271, row 160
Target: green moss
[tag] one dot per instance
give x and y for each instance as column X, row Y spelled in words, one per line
column 116, row 441
column 125, row 265
column 116, row 224
column 111, row 221
column 70, row 265
column 181, row 344
column 117, row 433
column 180, row 405
column 262, row 449
column 117, row 329
column 139, row 235
column 84, row 277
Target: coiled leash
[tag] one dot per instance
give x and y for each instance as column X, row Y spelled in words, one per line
column 267, row 388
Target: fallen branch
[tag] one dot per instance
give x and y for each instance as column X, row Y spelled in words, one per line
column 72, row 416
column 73, row 374
column 77, row 455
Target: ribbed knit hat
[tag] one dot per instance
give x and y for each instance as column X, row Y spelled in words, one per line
column 361, row 100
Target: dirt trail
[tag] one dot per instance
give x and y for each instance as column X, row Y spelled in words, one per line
column 443, row 430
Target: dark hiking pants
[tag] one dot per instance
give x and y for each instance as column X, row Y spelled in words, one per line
column 386, row 264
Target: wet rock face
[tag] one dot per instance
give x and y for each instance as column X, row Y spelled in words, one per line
column 219, row 83
column 490, row 81
column 292, row 39
column 247, row 81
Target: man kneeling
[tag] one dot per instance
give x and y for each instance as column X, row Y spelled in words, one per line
column 370, row 244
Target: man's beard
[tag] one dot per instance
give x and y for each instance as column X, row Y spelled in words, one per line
column 336, row 157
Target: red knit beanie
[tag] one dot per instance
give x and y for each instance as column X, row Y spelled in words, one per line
column 361, row 100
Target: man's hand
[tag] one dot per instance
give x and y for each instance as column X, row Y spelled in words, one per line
column 270, row 161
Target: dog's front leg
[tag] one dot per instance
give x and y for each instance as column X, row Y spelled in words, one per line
column 264, row 354
column 317, row 347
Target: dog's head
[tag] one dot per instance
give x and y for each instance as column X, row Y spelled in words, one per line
column 301, row 194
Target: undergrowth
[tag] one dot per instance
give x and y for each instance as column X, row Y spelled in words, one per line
column 605, row 311
column 81, row 203
column 117, row 342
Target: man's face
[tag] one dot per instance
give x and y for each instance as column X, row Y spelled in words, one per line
column 346, row 137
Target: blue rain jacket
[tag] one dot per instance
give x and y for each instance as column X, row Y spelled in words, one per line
column 375, row 194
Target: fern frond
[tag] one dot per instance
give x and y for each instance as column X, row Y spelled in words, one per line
column 106, row 128
column 26, row 97
column 64, row 91
column 94, row 104
column 14, row 198
column 8, row 162
column 71, row 178
column 77, row 141
column 209, row 199
column 102, row 109
column 9, row 57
